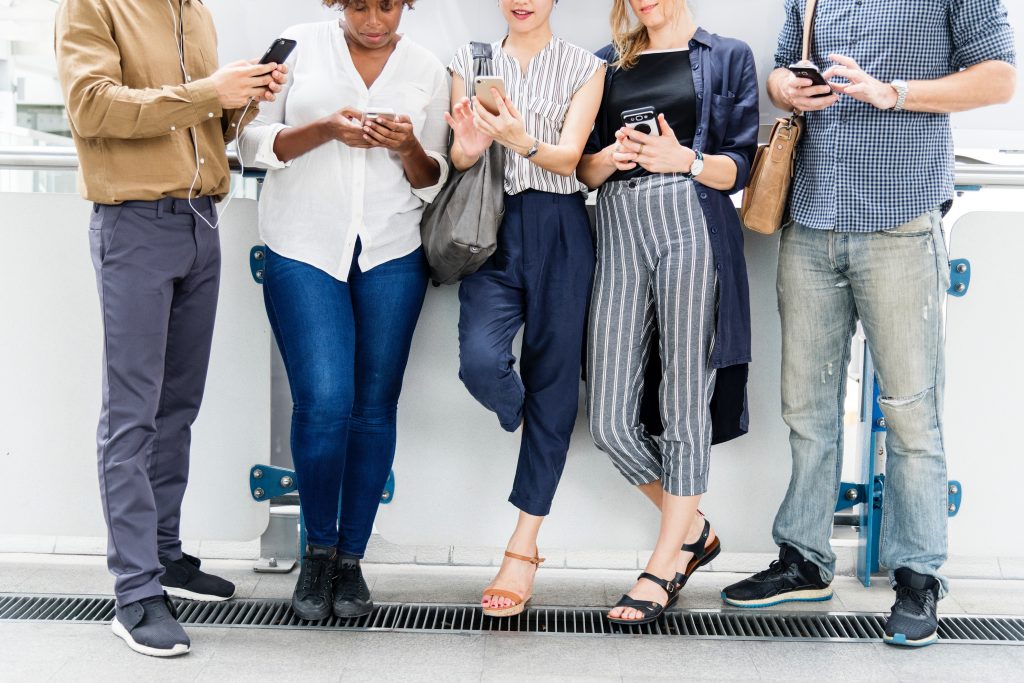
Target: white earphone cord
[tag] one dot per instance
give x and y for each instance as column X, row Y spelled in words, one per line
column 179, row 20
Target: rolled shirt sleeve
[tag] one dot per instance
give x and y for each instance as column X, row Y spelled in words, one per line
column 740, row 140
column 981, row 33
column 435, row 134
column 791, row 38
column 256, row 141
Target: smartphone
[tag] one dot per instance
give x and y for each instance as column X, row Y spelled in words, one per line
column 278, row 51
column 811, row 73
column 482, row 88
column 643, row 120
column 380, row 113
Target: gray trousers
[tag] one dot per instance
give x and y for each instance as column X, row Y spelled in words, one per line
column 654, row 267
column 158, row 274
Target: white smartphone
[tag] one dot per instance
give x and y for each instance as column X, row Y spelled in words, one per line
column 482, row 86
column 380, row 113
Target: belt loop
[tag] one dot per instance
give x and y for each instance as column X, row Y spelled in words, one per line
column 159, row 208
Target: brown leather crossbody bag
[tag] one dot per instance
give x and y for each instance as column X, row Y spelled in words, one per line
column 766, row 195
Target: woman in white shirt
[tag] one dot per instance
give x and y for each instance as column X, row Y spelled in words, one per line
column 345, row 275
column 539, row 277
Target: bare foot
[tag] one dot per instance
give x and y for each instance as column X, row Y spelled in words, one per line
column 644, row 590
column 515, row 576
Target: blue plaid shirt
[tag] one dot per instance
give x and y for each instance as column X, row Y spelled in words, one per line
column 860, row 169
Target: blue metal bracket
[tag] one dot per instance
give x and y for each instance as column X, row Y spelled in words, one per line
column 959, row 277
column 266, row 482
column 389, row 490
column 955, row 492
column 257, row 258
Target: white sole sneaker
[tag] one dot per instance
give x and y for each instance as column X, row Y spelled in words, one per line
column 809, row 595
column 198, row 597
column 121, row 632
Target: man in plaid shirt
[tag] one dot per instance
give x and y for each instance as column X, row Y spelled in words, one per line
column 874, row 176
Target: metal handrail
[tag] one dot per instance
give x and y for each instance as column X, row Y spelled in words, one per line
column 968, row 173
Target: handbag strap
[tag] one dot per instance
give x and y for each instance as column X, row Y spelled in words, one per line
column 810, row 13
column 483, row 60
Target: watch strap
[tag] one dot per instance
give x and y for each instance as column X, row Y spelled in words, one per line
column 532, row 152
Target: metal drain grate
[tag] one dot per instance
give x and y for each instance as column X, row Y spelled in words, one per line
column 468, row 619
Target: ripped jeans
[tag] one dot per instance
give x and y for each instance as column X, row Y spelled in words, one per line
column 895, row 283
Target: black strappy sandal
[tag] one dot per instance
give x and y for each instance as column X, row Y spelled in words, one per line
column 650, row 610
column 702, row 555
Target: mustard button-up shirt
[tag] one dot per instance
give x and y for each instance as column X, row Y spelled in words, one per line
column 145, row 117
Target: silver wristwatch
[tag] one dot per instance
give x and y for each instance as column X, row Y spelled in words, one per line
column 901, row 88
column 698, row 165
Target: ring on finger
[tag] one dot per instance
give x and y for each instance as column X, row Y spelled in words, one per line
column 641, row 150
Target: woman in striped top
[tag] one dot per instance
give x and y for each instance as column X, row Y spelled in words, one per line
column 541, row 273
column 669, row 257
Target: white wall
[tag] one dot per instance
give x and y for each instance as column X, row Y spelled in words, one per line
column 246, row 28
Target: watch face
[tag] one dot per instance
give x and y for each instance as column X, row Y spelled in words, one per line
column 697, row 167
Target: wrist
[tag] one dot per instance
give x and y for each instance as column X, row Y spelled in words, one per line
column 686, row 158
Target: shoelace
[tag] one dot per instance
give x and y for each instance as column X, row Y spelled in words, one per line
column 776, row 567
column 349, row 582
column 316, row 571
column 913, row 600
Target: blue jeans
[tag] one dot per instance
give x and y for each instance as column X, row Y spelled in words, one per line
column 345, row 346
column 895, row 283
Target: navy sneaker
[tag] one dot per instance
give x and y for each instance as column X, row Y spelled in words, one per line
column 351, row 594
column 913, row 621
column 183, row 579
column 314, row 591
column 790, row 578
column 150, row 627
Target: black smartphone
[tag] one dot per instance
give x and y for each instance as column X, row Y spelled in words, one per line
column 278, row 51
column 811, row 73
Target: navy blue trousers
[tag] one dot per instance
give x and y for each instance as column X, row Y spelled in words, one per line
column 540, row 276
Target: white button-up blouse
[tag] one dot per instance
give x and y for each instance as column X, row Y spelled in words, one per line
column 315, row 207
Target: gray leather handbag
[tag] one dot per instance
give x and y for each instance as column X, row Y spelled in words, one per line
column 460, row 227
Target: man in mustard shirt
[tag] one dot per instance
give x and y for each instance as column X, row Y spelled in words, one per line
column 150, row 114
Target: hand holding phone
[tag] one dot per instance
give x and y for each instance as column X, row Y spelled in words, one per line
column 278, row 52
column 813, row 74
column 482, row 86
column 643, row 120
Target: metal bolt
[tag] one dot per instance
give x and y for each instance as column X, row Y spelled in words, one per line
column 258, row 493
column 259, row 274
column 881, row 422
column 952, row 507
column 257, row 474
column 960, row 287
column 258, row 255
column 386, row 495
column 286, row 482
column 474, row 250
column 851, row 494
column 272, row 562
column 954, row 489
column 961, row 268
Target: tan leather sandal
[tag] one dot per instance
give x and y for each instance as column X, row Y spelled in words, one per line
column 518, row 601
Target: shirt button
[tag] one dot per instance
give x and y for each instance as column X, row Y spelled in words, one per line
column 699, row 131
column 632, row 183
column 703, row 195
column 174, row 128
column 210, row 114
column 202, row 161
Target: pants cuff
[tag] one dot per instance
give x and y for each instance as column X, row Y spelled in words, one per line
column 150, row 590
column 531, row 506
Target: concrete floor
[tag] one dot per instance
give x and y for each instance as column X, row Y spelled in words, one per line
column 64, row 652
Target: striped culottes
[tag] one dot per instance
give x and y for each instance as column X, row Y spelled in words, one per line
column 654, row 267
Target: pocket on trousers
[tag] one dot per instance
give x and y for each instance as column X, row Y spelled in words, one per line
column 102, row 228
column 918, row 227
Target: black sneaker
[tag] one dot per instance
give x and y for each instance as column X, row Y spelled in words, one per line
column 351, row 594
column 150, row 627
column 314, row 590
column 913, row 621
column 790, row 578
column 183, row 579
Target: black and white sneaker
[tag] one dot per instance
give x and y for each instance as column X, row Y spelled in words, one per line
column 183, row 579
column 150, row 627
column 790, row 578
column 314, row 591
column 913, row 621
column 351, row 594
